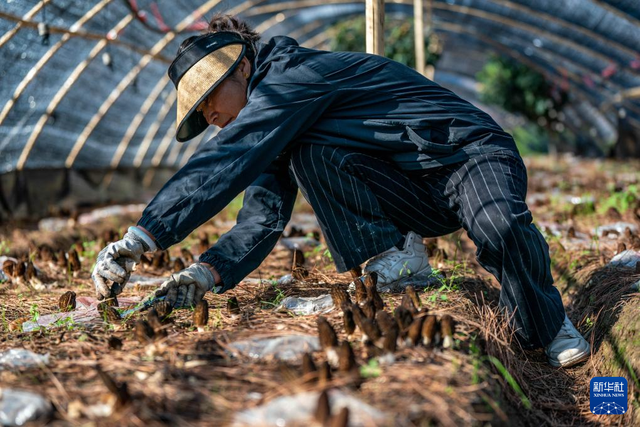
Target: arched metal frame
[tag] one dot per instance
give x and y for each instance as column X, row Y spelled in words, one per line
column 27, row 16
column 469, row 14
column 570, row 51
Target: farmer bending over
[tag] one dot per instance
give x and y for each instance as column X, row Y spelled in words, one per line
column 383, row 155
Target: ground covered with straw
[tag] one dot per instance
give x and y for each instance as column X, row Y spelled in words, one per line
column 103, row 372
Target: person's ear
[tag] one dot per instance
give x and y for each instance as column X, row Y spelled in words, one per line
column 245, row 68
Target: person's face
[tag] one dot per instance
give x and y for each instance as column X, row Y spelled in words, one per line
column 223, row 105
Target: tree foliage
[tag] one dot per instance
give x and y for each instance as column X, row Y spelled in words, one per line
column 349, row 35
column 517, row 88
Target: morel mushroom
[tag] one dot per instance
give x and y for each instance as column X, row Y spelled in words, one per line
column 323, row 410
column 163, row 309
column 429, row 331
column 178, row 265
column 328, row 340
column 409, row 290
column 371, row 282
column 67, row 301
column 414, row 332
column 187, row 255
column 347, row 359
column 74, row 262
column 446, row 329
column 143, row 332
column 361, row 290
column 201, row 315
column 108, row 313
column 339, row 296
column 349, row 323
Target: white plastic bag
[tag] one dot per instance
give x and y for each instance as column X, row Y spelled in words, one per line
column 17, row 358
column 627, row 258
column 86, row 312
column 307, row 305
column 18, row 407
column 285, row 347
column 287, row 410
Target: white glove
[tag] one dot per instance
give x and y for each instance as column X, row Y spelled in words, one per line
column 187, row 287
column 115, row 262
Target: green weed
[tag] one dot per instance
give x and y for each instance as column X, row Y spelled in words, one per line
column 5, row 247
column 450, row 284
column 405, row 270
column 88, row 250
column 279, row 295
column 478, row 359
column 65, row 322
column 621, row 200
column 589, row 323
column 321, row 250
column 511, row 381
column 371, row 370
column 34, row 312
column 327, row 254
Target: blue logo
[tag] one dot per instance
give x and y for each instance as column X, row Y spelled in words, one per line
column 608, row 395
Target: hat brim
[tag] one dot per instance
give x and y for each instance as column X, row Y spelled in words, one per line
column 196, row 84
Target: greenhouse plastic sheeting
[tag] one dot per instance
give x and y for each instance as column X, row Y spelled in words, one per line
column 66, row 106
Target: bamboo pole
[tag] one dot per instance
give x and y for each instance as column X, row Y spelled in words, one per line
column 429, row 70
column 375, row 26
column 418, row 31
column 289, row 6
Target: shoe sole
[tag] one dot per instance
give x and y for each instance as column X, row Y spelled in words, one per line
column 580, row 357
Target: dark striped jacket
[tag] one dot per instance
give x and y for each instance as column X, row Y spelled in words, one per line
column 298, row 95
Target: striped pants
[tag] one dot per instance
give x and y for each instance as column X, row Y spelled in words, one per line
column 365, row 205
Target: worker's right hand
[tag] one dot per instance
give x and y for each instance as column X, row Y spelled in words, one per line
column 115, row 263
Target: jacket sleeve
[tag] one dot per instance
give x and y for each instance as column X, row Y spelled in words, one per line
column 266, row 210
column 281, row 107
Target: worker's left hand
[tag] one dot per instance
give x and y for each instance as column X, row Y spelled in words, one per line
column 187, row 287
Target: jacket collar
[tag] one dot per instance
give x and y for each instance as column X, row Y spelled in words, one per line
column 267, row 52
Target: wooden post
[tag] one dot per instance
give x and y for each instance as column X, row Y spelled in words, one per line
column 418, row 31
column 375, row 26
column 429, row 70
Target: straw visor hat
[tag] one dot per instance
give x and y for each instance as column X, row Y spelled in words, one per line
column 197, row 71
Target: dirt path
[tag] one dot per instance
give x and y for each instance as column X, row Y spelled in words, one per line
column 187, row 377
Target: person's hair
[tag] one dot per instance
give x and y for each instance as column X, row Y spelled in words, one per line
column 222, row 22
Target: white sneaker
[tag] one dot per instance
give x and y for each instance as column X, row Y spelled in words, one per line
column 397, row 267
column 568, row 347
